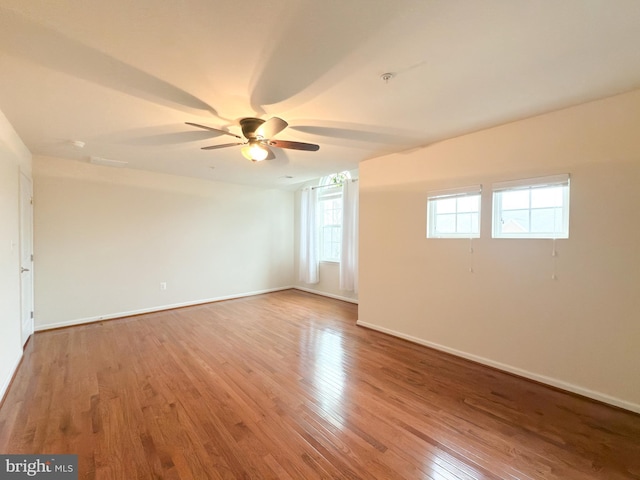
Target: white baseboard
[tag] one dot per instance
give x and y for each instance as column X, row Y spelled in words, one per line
column 7, row 380
column 111, row 316
column 569, row 387
column 325, row 294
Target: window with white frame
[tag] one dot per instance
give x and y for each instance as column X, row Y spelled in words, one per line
column 532, row 208
column 330, row 216
column 454, row 213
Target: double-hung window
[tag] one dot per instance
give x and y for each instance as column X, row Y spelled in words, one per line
column 330, row 216
column 454, row 213
column 532, row 208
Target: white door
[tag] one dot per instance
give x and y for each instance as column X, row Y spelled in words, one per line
column 26, row 256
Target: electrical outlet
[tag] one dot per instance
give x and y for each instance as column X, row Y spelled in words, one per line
column 163, row 285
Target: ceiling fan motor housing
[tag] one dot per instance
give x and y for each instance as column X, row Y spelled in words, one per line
column 249, row 126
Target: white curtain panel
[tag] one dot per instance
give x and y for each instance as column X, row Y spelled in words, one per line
column 349, row 256
column 308, row 269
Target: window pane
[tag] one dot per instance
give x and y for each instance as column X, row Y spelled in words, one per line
column 331, row 212
column 559, row 224
column 469, row 203
column 546, row 220
column 546, row 197
column 515, row 221
column 464, row 223
column 515, row 200
column 446, row 223
column 475, row 222
column 336, row 234
column 543, row 220
column 326, row 213
column 327, row 252
column 446, row 205
column 326, row 235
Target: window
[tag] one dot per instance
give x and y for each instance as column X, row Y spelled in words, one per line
column 454, row 213
column 330, row 216
column 532, row 208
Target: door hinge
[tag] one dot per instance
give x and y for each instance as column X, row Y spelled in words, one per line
column 31, row 200
column 32, row 257
column 32, row 314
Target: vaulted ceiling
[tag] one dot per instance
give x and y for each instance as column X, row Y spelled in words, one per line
column 123, row 76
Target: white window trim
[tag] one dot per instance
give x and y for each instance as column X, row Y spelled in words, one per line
column 530, row 183
column 458, row 192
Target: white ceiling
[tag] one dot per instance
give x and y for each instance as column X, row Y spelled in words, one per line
column 124, row 75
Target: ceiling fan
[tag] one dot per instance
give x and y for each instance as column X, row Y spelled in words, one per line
column 259, row 137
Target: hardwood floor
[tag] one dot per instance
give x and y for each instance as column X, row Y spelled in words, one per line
column 286, row 386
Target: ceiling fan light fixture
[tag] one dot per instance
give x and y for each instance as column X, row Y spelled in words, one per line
column 255, row 152
column 259, row 135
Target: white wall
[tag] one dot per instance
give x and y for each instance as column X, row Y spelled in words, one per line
column 106, row 238
column 14, row 157
column 329, row 272
column 580, row 332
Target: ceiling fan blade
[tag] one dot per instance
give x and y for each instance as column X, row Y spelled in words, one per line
column 212, row 129
column 224, row 145
column 271, row 127
column 311, row 147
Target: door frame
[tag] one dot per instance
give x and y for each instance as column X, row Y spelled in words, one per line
column 26, row 258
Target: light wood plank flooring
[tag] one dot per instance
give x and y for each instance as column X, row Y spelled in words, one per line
column 286, row 386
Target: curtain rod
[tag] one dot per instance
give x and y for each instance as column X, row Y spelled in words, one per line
column 332, row 184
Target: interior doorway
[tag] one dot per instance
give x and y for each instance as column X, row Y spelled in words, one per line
column 26, row 256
